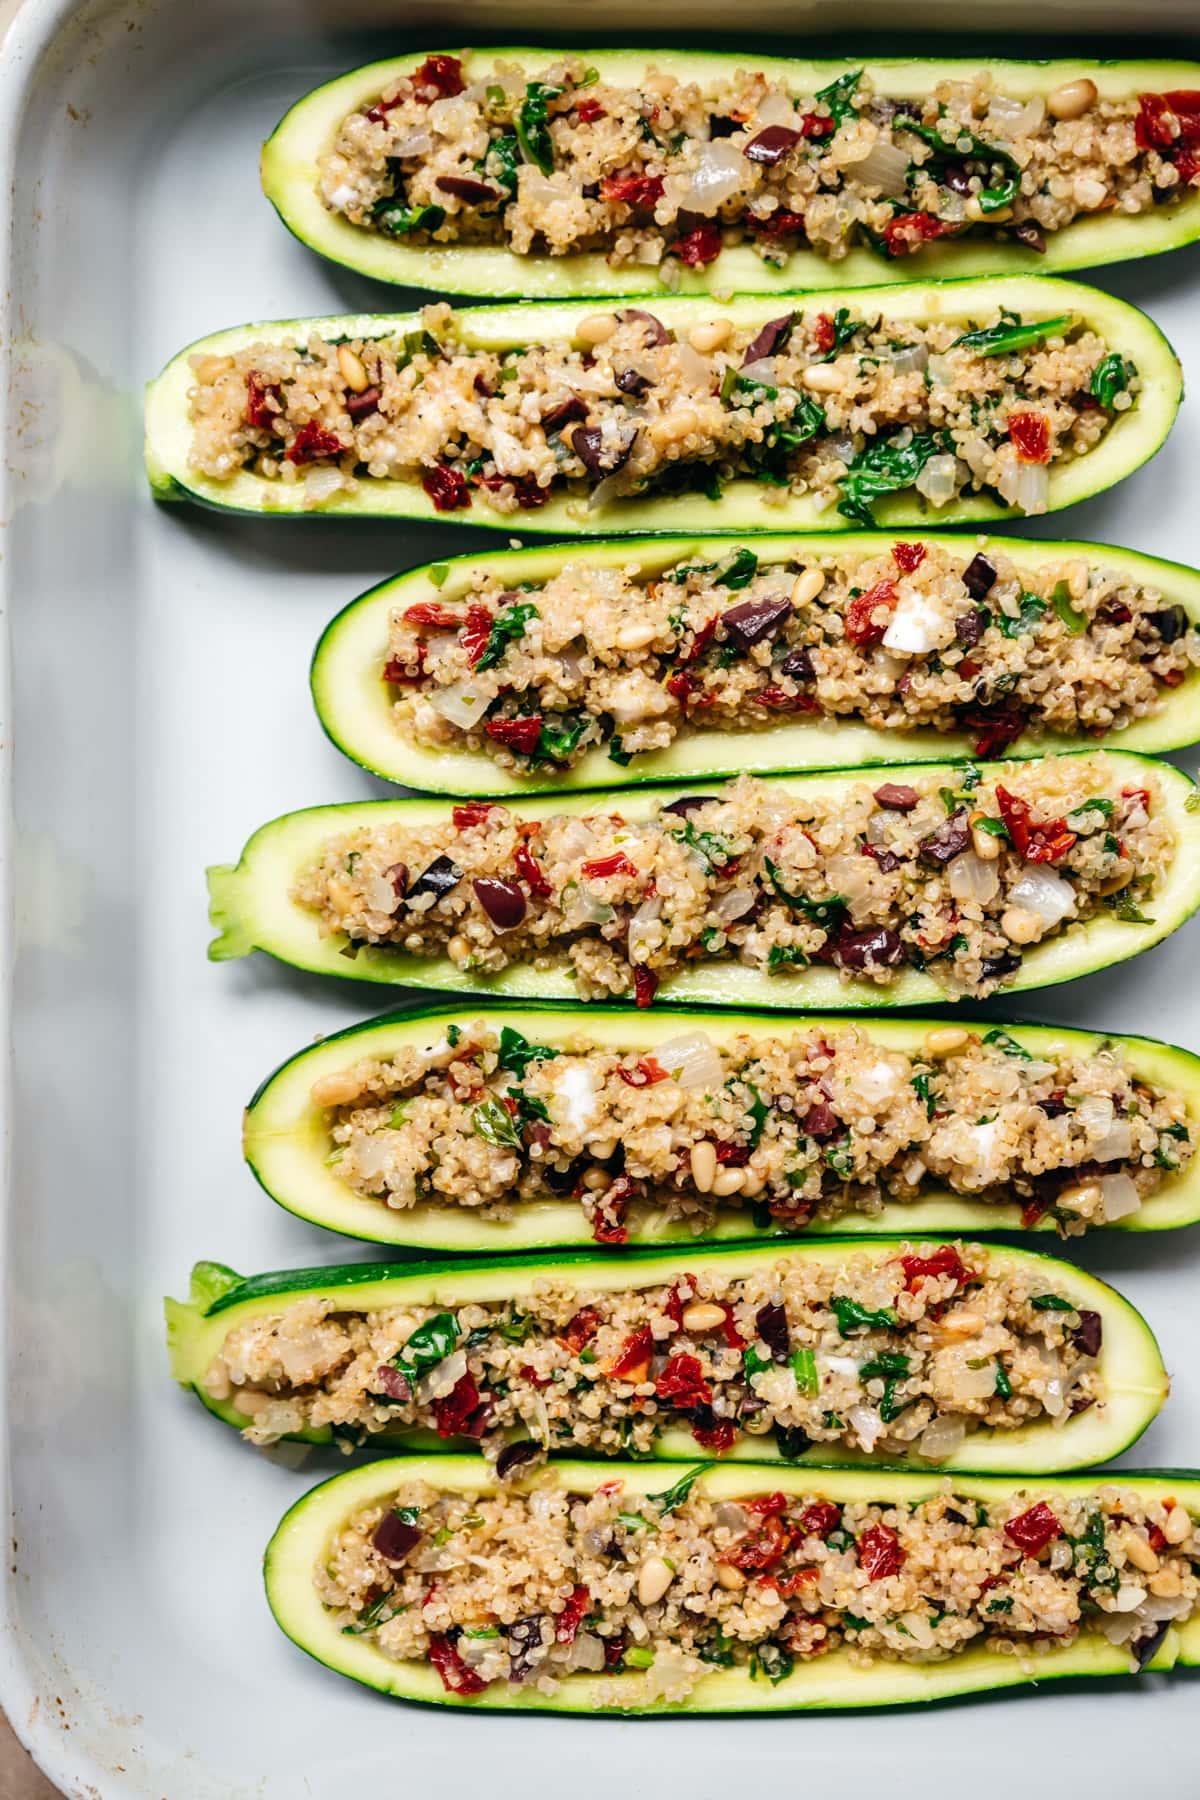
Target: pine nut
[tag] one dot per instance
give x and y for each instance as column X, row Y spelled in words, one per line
column 823, row 378
column 729, row 1577
column 1083, row 1197
column 1077, row 580
column 985, row 846
column 335, row 1090
column 596, row 1180
column 354, row 372
column 680, row 422
column 1020, row 926
column 960, row 1324
column 458, row 949
column 1166, row 1585
column 710, row 334
column 1071, row 99
column 1178, row 1526
column 597, row 328
column 728, row 1181
column 752, row 1183
column 250, row 1401
column 636, row 636
column 807, row 586
column 602, row 1149
column 654, row 1578
column 1138, row 1552
column 945, row 1043
column 704, row 1166
column 703, row 1316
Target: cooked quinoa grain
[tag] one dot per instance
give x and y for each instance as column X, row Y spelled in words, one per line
column 803, row 1125
column 662, row 175
column 847, row 407
column 536, row 1586
column 907, row 636
column 869, row 878
column 888, row 1351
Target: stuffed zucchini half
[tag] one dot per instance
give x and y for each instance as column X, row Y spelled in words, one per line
column 897, row 406
column 402, row 1575
column 989, row 1359
column 623, row 172
column 524, row 670
column 558, row 1126
column 838, row 890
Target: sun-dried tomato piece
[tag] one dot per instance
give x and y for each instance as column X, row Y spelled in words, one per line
column 433, row 614
column 473, row 813
column 447, row 488
column 682, row 1383
column 645, row 1072
column 453, row 1413
column 908, row 231
column 530, row 872
column 588, row 111
column 764, row 1504
column 645, row 986
column 632, row 190
column 777, row 699
column 879, row 1552
column 398, row 672
column 712, row 1433
column 1043, row 843
column 995, row 727
column 733, row 1156
column 1031, row 1213
column 700, row 642
column 816, row 125
column 681, row 686
column 312, row 443
column 578, row 1332
column 908, row 556
column 633, row 1355
column 1030, row 432
column 600, row 868
column 475, row 633
column 761, row 1548
column 1031, row 1531
column 698, row 247
column 780, row 224
column 457, row 1678
column 258, row 413
column 821, row 1518
column 523, row 735
column 824, row 333
column 527, row 490
column 944, row 1261
column 861, row 626
column 438, row 78
column 788, row 1585
column 571, row 1617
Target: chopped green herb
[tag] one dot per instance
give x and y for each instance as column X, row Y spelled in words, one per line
column 851, row 1315
column 431, row 1343
column 804, row 1368
column 392, row 216
column 826, row 913
column 1074, row 620
column 1051, row 1303
column 885, row 467
column 1110, row 377
column 844, row 328
column 1003, row 1387
column 773, row 1661
column 495, row 1125
column 533, row 127
column 888, row 1363
column 675, row 1496
column 516, row 1052
column 1026, row 620
column 999, row 340
column 507, row 627
column 1000, row 1040
column 920, row 1086
column 786, row 956
column 1003, row 1605
column 839, row 96
column 638, row 1659
column 1127, row 909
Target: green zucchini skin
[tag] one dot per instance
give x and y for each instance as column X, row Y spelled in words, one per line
column 1131, row 1362
column 354, row 705
column 285, row 1136
column 252, row 908
column 1132, row 437
column 292, row 152
column 828, row 1683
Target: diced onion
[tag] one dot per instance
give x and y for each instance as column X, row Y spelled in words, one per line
column 731, row 1516
column 919, row 1629
column 692, row 1059
column 381, row 896
column 734, row 903
column 1116, row 1144
column 587, row 1652
column 866, row 1424
column 461, row 703
column 938, row 480
column 971, row 878
column 885, row 166
column 1014, row 119
column 912, row 356
column 603, row 492
column 322, row 482
column 1031, row 489
column 941, row 1437
column 1120, row 1197
column 694, row 367
column 720, row 171
column 644, row 929
column 842, row 1365
column 774, row 109
column 417, row 143
column 974, row 1384
column 762, row 370
column 443, row 1377
column 1043, row 892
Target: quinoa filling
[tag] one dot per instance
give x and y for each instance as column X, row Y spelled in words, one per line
column 790, row 1128
column 666, row 174
column 847, row 406
column 869, row 878
column 906, row 637
column 537, row 1586
column 879, row 1353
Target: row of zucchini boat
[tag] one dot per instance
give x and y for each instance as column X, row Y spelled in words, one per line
column 702, row 1387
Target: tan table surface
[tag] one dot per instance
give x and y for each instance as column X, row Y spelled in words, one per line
column 19, row 1778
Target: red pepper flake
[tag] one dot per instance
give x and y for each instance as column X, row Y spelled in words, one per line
column 821, row 1518
column 645, row 986
column 815, row 125
column 908, row 557
column 776, row 699
column 600, row 868
column 530, row 872
column 571, row 1616
column 682, row 1383
column 700, row 641
column 438, row 78
column 258, row 413
column 588, row 111
column 633, row 1355
column 861, row 626
column 762, row 1548
column 631, row 190
column 698, row 247
column 879, row 1552
column 908, row 231
column 453, row 1414
column 1140, row 795
column 1156, row 1537
column 645, row 1073
column 944, row 1261
column 824, row 333
column 398, row 672
column 475, row 633
column 529, row 1373
column 780, row 224
column 473, row 813
column 517, row 734
column 712, row 1433
column 1030, row 432
column 433, row 614
column 1031, row 1531
column 457, row 1678
column 765, row 1504
column 311, row 443
column 729, row 1331
column 579, row 1331
column 1036, row 843
column 447, row 488
column 681, row 686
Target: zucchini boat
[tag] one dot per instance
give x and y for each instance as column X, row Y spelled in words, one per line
column 562, row 420
column 314, row 1129
column 398, row 686
column 519, row 1352
column 540, row 904
column 763, row 145
column 351, row 1557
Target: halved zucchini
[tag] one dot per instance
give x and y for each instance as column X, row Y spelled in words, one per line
column 286, row 1137
column 1131, row 439
column 1131, row 1366
column 293, row 151
column 830, row 1681
column 354, row 703
column 253, row 908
